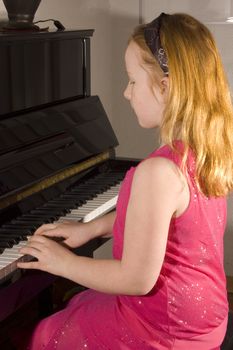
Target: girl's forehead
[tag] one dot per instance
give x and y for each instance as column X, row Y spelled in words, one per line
column 132, row 55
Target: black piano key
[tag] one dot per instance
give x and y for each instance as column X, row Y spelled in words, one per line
column 20, row 236
column 80, row 200
column 57, row 207
column 102, row 182
column 52, row 212
column 53, row 206
column 57, row 212
column 13, row 229
column 19, row 225
column 66, row 208
column 34, row 221
column 27, row 223
column 17, row 222
column 9, row 238
column 38, row 216
column 20, row 228
column 79, row 196
column 93, row 189
column 64, row 201
column 5, row 244
column 73, row 196
column 109, row 180
column 84, row 192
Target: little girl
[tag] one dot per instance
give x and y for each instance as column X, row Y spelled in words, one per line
column 165, row 287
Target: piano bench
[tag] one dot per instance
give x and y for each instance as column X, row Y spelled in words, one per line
column 228, row 340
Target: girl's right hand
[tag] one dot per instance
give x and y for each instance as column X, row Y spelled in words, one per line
column 75, row 234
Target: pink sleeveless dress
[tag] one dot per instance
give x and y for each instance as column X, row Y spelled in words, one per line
column 186, row 309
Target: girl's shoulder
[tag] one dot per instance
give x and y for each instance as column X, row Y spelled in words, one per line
column 167, row 151
column 175, row 154
column 158, row 171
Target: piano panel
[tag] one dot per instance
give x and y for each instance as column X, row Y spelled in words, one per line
column 71, row 134
column 41, row 68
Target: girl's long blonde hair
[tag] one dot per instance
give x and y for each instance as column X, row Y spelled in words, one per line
column 199, row 109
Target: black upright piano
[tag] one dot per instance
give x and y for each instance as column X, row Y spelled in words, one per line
column 57, row 157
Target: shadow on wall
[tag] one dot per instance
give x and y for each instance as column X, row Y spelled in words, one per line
column 228, row 239
column 134, row 141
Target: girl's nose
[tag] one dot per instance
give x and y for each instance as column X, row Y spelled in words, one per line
column 127, row 93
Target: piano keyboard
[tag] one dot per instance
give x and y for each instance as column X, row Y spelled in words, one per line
column 13, row 235
column 92, row 209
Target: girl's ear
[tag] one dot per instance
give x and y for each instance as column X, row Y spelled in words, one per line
column 165, row 86
column 163, row 90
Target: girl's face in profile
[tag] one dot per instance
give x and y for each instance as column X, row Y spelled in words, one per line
column 147, row 101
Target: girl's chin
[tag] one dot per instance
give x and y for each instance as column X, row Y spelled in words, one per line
column 146, row 125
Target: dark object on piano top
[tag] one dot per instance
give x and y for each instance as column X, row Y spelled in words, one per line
column 56, row 23
column 21, row 14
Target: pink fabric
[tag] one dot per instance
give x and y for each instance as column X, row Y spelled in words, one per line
column 187, row 308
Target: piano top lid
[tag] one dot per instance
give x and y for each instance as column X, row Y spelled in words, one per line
column 49, row 34
column 35, row 145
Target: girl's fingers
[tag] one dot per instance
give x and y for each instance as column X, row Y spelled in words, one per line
column 30, row 251
column 41, row 239
column 34, row 246
column 45, row 228
column 52, row 231
column 28, row 265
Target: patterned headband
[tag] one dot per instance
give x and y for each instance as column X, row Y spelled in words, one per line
column 152, row 38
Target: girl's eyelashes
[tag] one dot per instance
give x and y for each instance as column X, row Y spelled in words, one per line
column 131, row 82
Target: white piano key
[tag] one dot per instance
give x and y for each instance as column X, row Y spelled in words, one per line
column 101, row 210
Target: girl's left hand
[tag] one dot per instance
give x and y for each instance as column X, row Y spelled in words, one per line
column 51, row 256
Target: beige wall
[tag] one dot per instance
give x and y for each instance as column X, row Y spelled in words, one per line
column 113, row 21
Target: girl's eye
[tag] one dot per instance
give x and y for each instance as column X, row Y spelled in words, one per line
column 131, row 82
